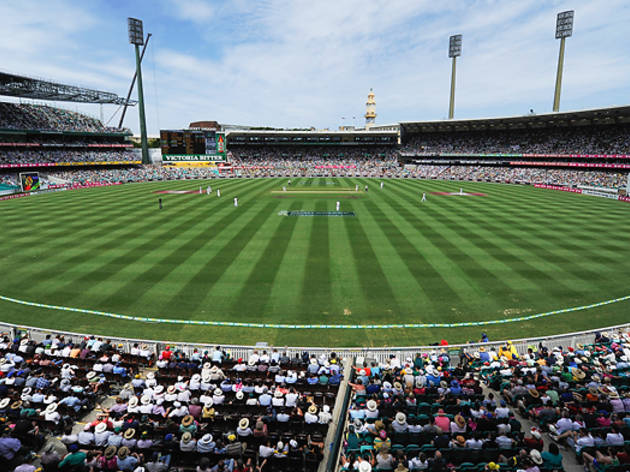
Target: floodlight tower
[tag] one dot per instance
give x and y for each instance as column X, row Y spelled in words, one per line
column 454, row 51
column 564, row 29
column 136, row 37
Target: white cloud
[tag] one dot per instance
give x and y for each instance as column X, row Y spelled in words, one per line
column 197, row 11
column 299, row 63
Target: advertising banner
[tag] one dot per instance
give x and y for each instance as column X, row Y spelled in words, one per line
column 595, row 193
column 62, row 164
column 209, row 164
column 168, row 158
column 558, row 187
column 570, row 164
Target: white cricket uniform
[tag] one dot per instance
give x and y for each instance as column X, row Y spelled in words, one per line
column 382, row 184
column 424, row 197
column 235, row 201
column 337, row 206
column 218, row 192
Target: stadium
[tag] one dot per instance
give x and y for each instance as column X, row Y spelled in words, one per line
column 424, row 295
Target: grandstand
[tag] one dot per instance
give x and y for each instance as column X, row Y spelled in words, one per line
column 37, row 137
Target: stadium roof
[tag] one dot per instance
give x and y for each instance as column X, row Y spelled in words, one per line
column 599, row 116
column 25, row 87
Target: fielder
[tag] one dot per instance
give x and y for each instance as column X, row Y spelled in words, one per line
column 236, row 201
column 208, row 190
column 382, row 185
column 218, row 192
column 338, row 204
column 424, row 197
column 160, row 203
column 356, row 188
column 200, row 190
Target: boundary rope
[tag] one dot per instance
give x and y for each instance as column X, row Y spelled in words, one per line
column 148, row 319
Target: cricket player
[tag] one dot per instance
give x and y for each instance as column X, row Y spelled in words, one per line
column 218, row 192
column 284, row 189
column 461, row 191
column 356, row 188
column 366, row 188
column 424, row 197
column 200, row 190
column 382, row 185
column 160, row 203
column 235, row 201
column 208, row 190
column 338, row 204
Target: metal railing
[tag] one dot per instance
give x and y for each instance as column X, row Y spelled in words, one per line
column 380, row 354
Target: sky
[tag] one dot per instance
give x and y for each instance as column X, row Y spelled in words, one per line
column 295, row 63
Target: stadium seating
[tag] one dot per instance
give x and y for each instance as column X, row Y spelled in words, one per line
column 22, row 116
column 268, row 409
column 423, row 412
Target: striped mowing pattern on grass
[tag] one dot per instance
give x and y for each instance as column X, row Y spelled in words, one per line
column 516, row 252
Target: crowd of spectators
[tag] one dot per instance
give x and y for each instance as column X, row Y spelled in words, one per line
column 47, row 386
column 524, row 175
column 424, row 413
column 315, row 161
column 611, row 139
column 32, row 156
column 8, row 179
column 267, row 412
column 580, row 395
column 20, row 116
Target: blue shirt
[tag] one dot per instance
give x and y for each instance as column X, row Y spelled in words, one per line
column 71, row 402
column 8, row 447
column 128, row 463
column 42, row 383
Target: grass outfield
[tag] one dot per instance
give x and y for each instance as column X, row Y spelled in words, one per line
column 516, row 251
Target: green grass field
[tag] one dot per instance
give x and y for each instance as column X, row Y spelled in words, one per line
column 514, row 252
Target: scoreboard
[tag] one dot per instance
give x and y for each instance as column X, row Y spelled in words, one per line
column 192, row 146
column 29, row 181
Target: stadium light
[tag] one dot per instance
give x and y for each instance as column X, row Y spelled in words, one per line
column 136, row 37
column 136, row 34
column 564, row 30
column 454, row 51
column 455, row 45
